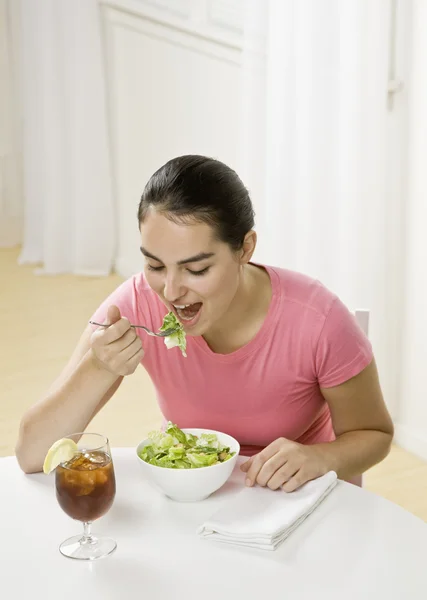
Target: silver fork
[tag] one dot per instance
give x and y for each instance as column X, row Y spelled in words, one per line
column 148, row 331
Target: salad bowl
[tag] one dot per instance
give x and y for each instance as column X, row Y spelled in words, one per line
column 187, row 465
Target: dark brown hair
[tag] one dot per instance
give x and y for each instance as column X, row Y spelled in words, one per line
column 198, row 188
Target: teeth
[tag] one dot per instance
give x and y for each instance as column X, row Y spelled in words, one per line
column 183, row 306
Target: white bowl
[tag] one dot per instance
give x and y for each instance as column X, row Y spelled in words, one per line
column 191, row 485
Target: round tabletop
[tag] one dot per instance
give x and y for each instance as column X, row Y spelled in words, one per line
column 355, row 545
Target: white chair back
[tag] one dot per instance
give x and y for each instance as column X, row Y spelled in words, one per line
column 362, row 318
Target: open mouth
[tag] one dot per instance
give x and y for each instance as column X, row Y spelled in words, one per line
column 187, row 312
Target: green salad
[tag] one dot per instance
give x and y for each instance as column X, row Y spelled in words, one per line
column 178, row 337
column 175, row 449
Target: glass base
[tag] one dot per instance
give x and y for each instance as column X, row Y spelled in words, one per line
column 90, row 548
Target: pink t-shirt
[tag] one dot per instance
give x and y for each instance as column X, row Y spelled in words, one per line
column 270, row 387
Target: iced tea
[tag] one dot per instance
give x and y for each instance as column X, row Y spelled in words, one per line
column 86, row 485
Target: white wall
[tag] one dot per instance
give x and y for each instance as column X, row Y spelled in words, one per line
column 412, row 418
column 390, row 363
column 173, row 89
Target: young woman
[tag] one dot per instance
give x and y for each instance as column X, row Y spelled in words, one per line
column 273, row 357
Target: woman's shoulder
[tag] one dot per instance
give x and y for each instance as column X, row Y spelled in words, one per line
column 301, row 290
column 134, row 287
column 135, row 300
column 138, row 291
column 138, row 284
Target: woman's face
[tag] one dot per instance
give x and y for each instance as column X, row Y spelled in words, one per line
column 195, row 275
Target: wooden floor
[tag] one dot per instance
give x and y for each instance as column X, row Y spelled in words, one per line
column 41, row 318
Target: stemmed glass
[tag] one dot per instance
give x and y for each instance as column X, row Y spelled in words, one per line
column 85, row 490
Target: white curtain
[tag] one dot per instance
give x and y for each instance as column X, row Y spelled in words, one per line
column 315, row 151
column 69, row 213
column 412, row 428
column 10, row 147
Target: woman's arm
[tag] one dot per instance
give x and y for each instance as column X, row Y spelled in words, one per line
column 362, row 424
column 89, row 380
column 364, row 433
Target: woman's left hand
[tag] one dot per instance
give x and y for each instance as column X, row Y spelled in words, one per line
column 285, row 464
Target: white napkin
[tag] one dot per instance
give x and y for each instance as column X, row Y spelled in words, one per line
column 261, row 518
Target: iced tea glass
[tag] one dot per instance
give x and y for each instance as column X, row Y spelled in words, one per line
column 85, row 490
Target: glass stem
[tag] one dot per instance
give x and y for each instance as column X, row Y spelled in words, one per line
column 87, row 533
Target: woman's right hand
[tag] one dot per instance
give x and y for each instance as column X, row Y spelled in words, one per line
column 116, row 348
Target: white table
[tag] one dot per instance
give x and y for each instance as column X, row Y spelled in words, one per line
column 354, row 546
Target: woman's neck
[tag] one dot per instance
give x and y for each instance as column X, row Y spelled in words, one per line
column 246, row 314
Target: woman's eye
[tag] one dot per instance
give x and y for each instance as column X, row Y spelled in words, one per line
column 198, row 273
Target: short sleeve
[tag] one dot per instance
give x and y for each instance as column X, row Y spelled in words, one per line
column 343, row 349
column 125, row 298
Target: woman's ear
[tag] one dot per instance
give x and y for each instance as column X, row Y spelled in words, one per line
column 248, row 248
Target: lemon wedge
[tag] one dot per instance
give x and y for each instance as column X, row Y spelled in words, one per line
column 61, row 451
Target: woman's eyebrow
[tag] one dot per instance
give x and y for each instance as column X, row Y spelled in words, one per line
column 191, row 259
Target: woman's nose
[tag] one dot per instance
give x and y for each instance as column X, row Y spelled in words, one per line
column 172, row 289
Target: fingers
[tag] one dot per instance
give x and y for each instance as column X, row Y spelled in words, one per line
column 246, row 465
column 135, row 360
column 268, row 469
column 128, row 360
column 113, row 339
column 278, row 472
column 296, row 481
column 117, row 326
column 284, row 464
column 117, row 354
column 107, row 335
column 282, row 475
column 115, row 331
column 257, row 462
column 123, row 342
column 117, row 347
column 113, row 315
column 123, row 362
column 129, row 351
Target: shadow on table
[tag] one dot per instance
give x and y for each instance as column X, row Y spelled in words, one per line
column 129, row 576
column 124, row 515
column 334, row 520
column 40, row 480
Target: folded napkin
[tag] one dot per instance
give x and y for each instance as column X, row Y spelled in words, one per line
column 261, row 518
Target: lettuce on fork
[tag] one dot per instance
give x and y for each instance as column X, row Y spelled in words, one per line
column 174, row 449
column 178, row 337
